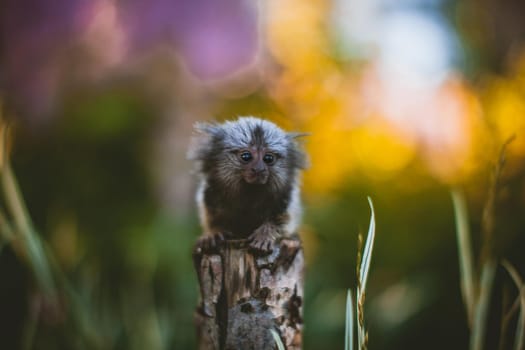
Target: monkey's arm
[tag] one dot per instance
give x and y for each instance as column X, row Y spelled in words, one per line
column 213, row 235
column 284, row 225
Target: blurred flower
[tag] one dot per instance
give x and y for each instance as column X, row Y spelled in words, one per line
column 104, row 38
column 216, row 38
column 295, row 34
column 404, row 104
column 49, row 43
column 504, row 102
column 35, row 35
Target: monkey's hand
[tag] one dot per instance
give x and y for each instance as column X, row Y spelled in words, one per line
column 262, row 239
column 210, row 242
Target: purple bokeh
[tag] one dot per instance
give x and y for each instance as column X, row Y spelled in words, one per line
column 214, row 37
column 34, row 34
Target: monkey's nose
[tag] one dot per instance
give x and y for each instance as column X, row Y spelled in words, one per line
column 258, row 170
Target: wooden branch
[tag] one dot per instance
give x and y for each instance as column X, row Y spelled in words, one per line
column 244, row 295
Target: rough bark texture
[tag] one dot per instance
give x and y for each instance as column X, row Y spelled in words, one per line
column 244, row 295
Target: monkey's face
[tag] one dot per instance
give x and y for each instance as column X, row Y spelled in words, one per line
column 256, row 164
column 248, row 151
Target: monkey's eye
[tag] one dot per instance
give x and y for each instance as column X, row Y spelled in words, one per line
column 246, row 156
column 269, row 158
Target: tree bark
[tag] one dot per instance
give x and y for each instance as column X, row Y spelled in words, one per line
column 245, row 295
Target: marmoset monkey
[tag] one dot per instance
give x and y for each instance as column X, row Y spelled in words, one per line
column 249, row 182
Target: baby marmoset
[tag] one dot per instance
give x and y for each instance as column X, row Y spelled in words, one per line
column 249, row 182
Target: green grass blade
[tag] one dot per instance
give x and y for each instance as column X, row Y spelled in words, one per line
column 466, row 260
column 479, row 325
column 363, row 271
column 369, row 246
column 6, row 231
column 24, row 228
column 359, row 320
column 349, row 325
column 519, row 343
column 278, row 341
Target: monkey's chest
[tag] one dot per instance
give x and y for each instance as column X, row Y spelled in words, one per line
column 241, row 215
column 243, row 219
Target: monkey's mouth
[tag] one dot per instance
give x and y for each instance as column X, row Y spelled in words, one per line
column 256, row 178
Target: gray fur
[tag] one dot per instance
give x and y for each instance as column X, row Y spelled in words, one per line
column 215, row 148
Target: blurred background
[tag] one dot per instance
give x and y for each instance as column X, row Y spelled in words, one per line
column 404, row 100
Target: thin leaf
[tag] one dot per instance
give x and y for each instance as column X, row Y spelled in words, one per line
column 488, row 216
column 6, row 231
column 363, row 277
column 359, row 317
column 349, row 325
column 24, row 228
column 369, row 246
column 519, row 343
column 466, row 260
column 479, row 325
column 277, row 339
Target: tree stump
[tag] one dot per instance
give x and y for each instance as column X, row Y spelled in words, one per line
column 245, row 295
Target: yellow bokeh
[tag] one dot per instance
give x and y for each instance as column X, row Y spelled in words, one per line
column 356, row 133
column 331, row 156
column 294, row 33
column 505, row 108
column 380, row 151
column 464, row 148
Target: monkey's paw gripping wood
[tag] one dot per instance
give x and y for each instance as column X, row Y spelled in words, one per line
column 244, row 295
